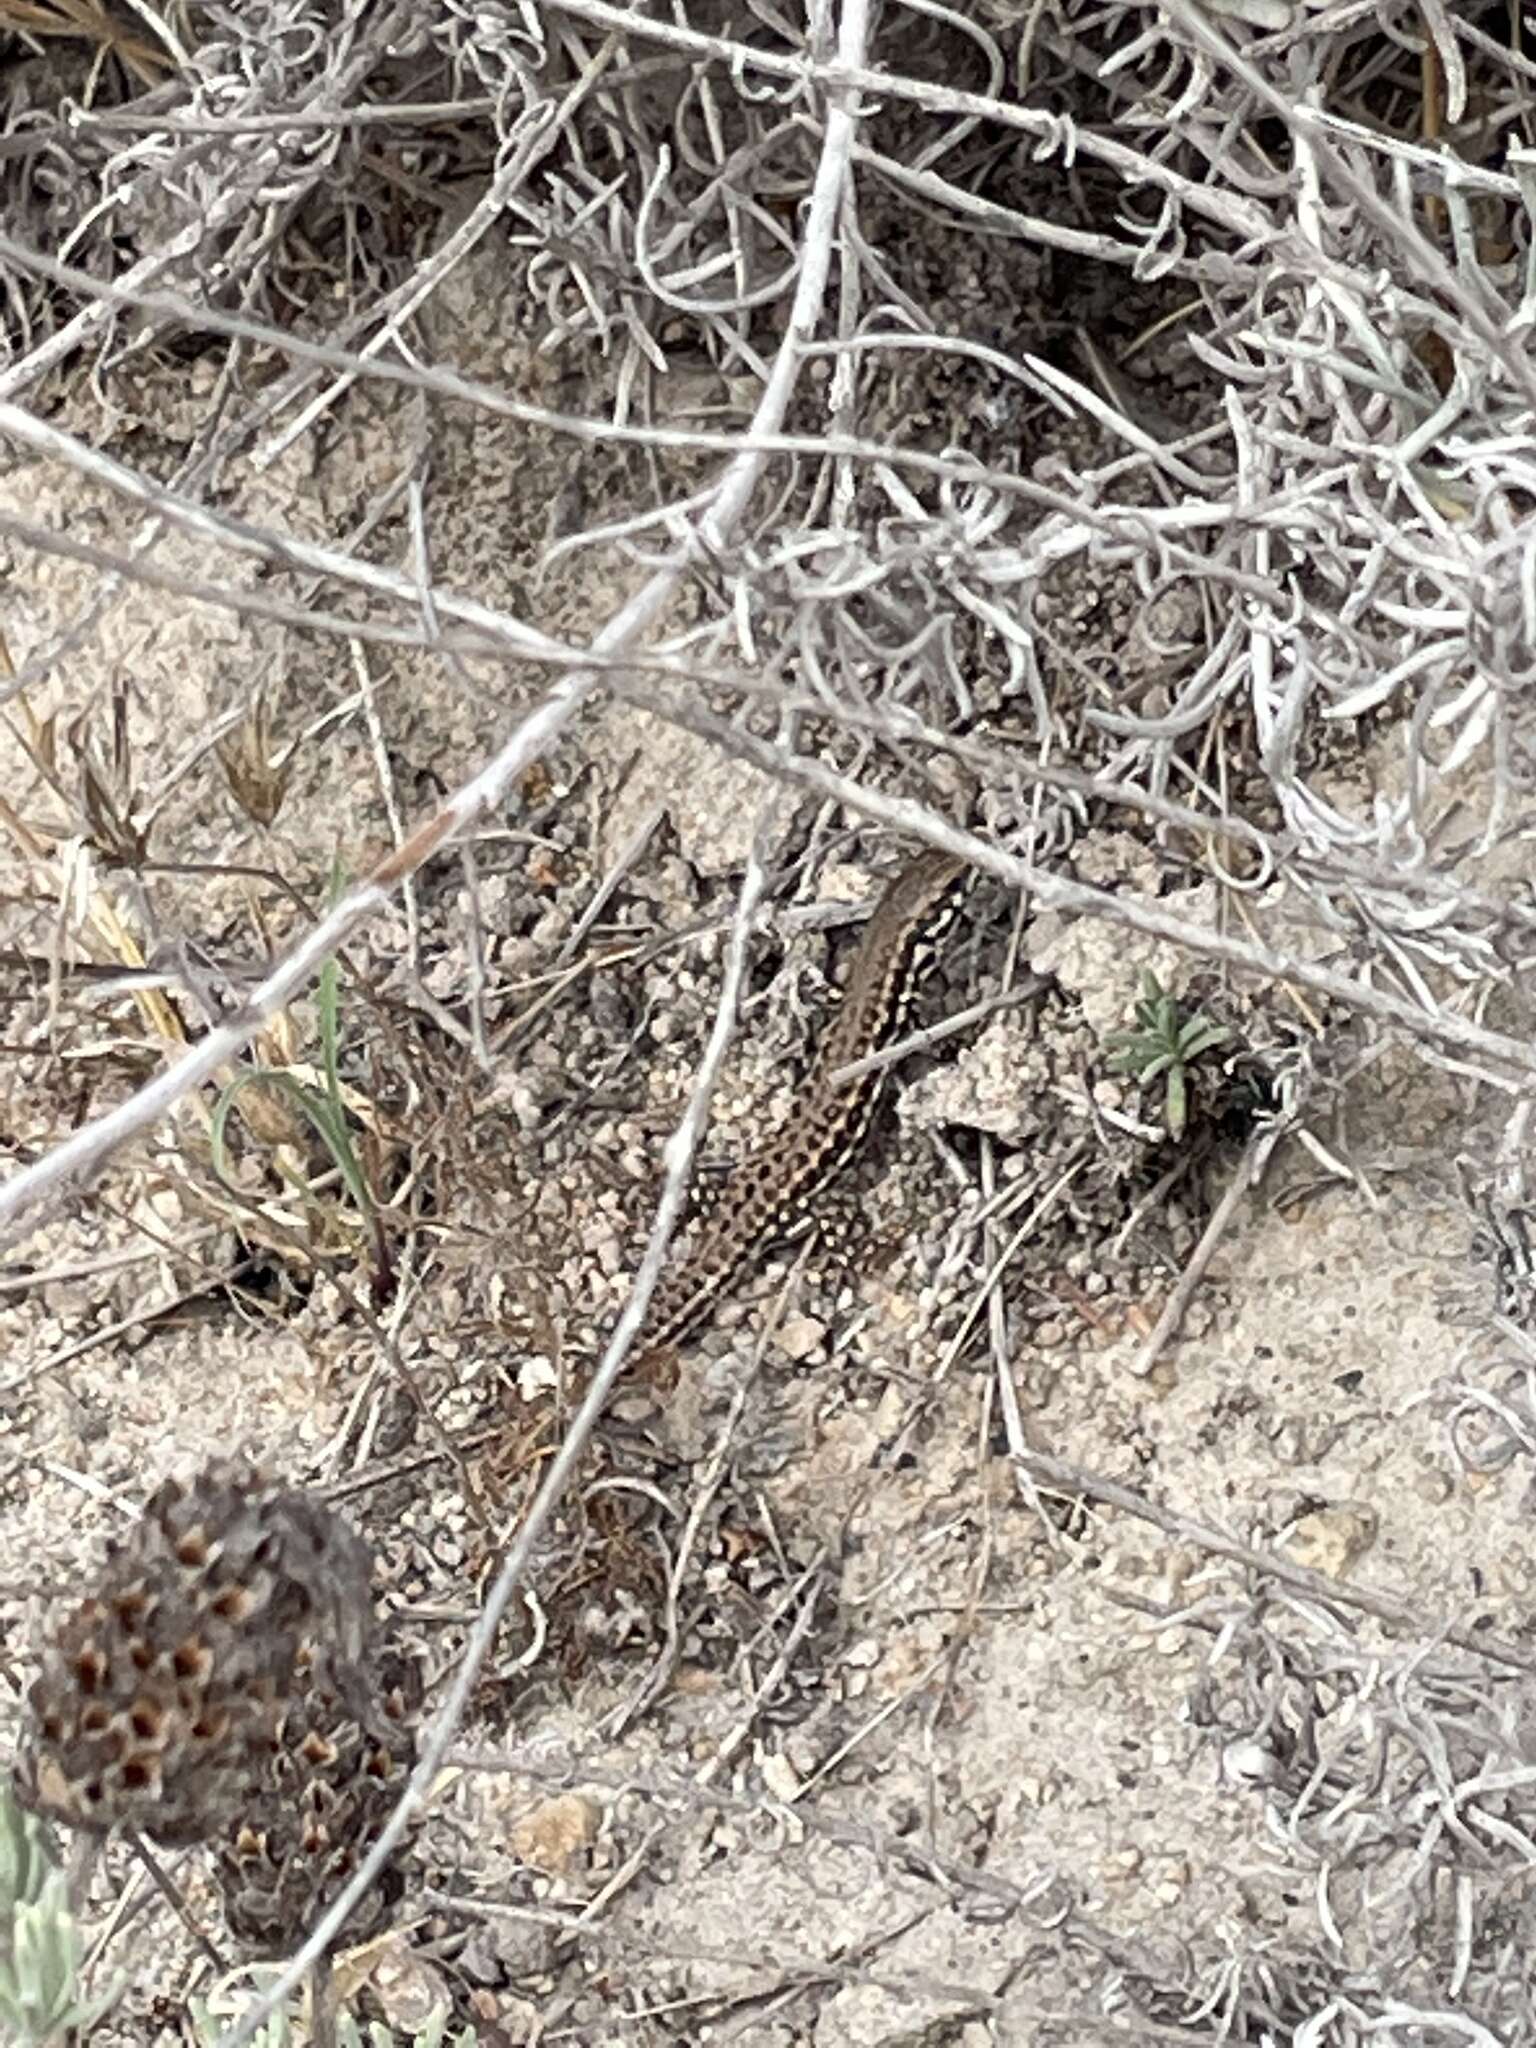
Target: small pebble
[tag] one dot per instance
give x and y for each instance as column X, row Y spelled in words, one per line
column 780, row 1777
column 800, row 1336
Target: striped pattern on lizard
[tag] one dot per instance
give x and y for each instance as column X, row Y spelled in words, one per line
column 775, row 1187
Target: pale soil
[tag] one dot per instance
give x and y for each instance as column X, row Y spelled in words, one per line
column 971, row 1681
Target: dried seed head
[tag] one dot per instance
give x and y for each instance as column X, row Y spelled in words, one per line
column 162, row 1695
column 340, row 1760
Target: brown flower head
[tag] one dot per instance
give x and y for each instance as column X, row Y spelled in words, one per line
column 162, row 1694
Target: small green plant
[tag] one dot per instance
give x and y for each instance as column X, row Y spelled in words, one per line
column 209, row 2018
column 39, row 1941
column 1162, row 1044
column 322, row 1108
column 233, row 1996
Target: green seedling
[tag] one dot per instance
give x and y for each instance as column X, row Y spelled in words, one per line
column 322, row 1108
column 211, row 2017
column 1163, row 1045
column 39, row 1941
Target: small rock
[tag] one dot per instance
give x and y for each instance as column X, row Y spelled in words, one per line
column 555, row 1835
column 890, row 1411
column 1330, row 1540
column 410, row 1992
column 870, row 2016
column 536, row 1376
column 981, row 1089
column 799, row 1336
column 1249, row 1763
column 780, row 1777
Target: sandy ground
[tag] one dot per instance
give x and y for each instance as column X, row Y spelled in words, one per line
column 927, row 1758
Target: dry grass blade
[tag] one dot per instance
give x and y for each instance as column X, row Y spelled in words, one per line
column 258, row 776
column 323, row 1109
column 91, row 21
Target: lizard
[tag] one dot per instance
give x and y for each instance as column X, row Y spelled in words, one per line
column 774, row 1188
